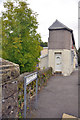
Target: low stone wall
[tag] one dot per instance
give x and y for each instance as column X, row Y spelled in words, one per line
column 12, row 88
column 9, row 100
column 9, row 72
column 43, row 76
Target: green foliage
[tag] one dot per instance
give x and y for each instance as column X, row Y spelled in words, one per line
column 0, row 38
column 20, row 41
column 43, row 77
column 44, row 44
column 20, row 115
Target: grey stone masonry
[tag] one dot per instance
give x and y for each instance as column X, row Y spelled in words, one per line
column 9, row 72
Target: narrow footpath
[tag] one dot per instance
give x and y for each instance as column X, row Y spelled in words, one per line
column 58, row 97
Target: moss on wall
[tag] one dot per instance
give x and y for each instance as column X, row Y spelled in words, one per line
column 43, row 76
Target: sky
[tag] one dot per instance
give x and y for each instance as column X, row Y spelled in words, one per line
column 66, row 11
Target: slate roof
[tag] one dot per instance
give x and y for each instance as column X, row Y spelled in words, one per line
column 58, row 25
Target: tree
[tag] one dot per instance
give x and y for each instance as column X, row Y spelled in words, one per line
column 20, row 40
column 44, row 44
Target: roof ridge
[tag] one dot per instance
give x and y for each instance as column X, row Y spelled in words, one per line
column 58, row 25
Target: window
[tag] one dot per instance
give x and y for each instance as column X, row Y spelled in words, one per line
column 58, row 57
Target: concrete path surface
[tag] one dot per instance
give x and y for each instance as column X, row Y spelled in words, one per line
column 58, row 97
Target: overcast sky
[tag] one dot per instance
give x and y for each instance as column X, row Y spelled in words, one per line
column 66, row 11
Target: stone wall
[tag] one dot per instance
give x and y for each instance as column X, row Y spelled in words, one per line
column 12, row 88
column 9, row 72
column 43, row 76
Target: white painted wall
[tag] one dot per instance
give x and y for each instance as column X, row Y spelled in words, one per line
column 67, row 63
column 67, row 66
column 43, row 62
